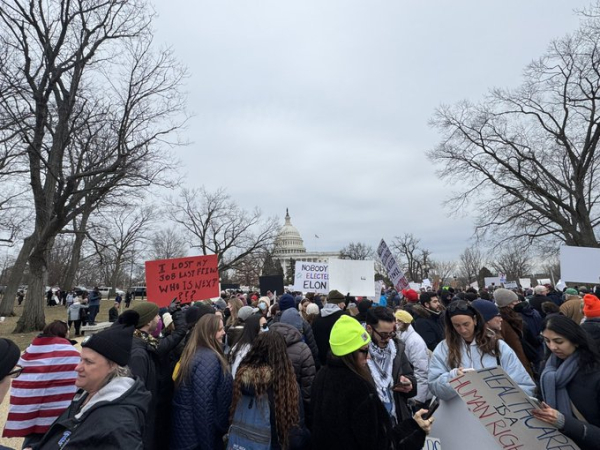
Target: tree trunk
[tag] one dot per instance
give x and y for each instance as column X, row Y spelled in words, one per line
column 68, row 281
column 33, row 313
column 16, row 276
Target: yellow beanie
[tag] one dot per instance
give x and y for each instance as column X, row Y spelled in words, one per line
column 347, row 336
column 403, row 316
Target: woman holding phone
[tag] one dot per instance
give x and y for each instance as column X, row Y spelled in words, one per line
column 570, row 382
column 344, row 391
column 468, row 346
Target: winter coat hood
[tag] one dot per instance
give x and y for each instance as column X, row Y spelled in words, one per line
column 289, row 332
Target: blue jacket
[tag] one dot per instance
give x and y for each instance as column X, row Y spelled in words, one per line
column 201, row 405
column 440, row 374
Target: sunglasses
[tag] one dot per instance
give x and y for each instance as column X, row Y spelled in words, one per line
column 384, row 336
column 364, row 351
column 459, row 305
column 15, row 372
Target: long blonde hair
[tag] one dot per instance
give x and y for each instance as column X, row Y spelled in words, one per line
column 204, row 335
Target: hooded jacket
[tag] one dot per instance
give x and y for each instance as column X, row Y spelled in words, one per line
column 322, row 329
column 592, row 328
column 113, row 419
column 429, row 325
column 301, row 357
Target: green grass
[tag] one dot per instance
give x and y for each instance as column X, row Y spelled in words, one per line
column 51, row 314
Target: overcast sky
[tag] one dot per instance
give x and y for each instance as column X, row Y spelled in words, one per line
column 323, row 106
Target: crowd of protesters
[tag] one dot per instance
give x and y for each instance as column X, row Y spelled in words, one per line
column 246, row 371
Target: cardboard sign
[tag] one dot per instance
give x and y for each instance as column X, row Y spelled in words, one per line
column 391, row 265
column 185, row 279
column 351, row 276
column 311, row 277
column 579, row 264
column 504, row 410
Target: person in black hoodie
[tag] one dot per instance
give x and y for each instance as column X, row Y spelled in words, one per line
column 108, row 411
column 331, row 312
column 347, row 412
column 429, row 322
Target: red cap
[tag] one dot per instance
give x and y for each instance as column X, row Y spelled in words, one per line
column 411, row 295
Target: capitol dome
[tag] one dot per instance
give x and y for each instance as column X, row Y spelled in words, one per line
column 288, row 240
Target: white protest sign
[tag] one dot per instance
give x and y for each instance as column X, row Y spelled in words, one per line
column 391, row 265
column 378, row 287
column 579, row 264
column 525, row 283
column 311, row 277
column 414, row 286
column 426, row 283
column 351, row 276
column 511, row 285
column 504, row 410
column 475, row 285
column 544, row 281
column 489, row 280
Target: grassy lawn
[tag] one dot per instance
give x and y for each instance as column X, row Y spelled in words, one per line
column 51, row 313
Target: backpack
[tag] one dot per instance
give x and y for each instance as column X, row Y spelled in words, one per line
column 251, row 425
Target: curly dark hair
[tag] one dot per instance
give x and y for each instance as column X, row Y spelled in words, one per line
column 486, row 343
column 267, row 366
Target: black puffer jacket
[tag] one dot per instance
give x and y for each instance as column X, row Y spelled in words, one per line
column 301, row 357
column 429, row 325
column 109, row 424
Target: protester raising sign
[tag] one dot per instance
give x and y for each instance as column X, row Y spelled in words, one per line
column 186, row 279
column 391, row 265
column 504, row 410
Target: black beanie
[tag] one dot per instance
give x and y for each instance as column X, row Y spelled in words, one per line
column 194, row 313
column 113, row 343
column 9, row 355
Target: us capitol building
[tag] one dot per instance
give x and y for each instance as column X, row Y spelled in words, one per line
column 289, row 246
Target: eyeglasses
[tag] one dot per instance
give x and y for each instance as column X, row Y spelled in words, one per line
column 384, row 336
column 15, row 372
column 364, row 351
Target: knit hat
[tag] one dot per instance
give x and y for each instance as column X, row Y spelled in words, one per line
column 167, row 319
column 571, row 291
column 245, row 312
column 286, row 301
column 9, row 356
column 336, row 297
column 114, row 343
column 504, row 297
column 591, row 306
column 411, row 295
column 403, row 316
column 194, row 313
column 147, row 312
column 486, row 308
column 292, row 317
column 221, row 305
column 347, row 336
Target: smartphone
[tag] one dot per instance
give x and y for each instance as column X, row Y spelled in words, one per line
column 400, row 384
column 535, row 402
column 433, row 405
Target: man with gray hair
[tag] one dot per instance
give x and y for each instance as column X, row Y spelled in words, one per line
column 539, row 297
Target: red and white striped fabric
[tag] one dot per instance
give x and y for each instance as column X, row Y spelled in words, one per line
column 44, row 389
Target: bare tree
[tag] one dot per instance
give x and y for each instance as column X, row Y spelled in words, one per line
column 513, row 261
column 528, row 156
column 119, row 239
column 167, row 243
column 418, row 260
column 90, row 106
column 219, row 226
column 357, row 251
column 471, row 262
column 445, row 270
